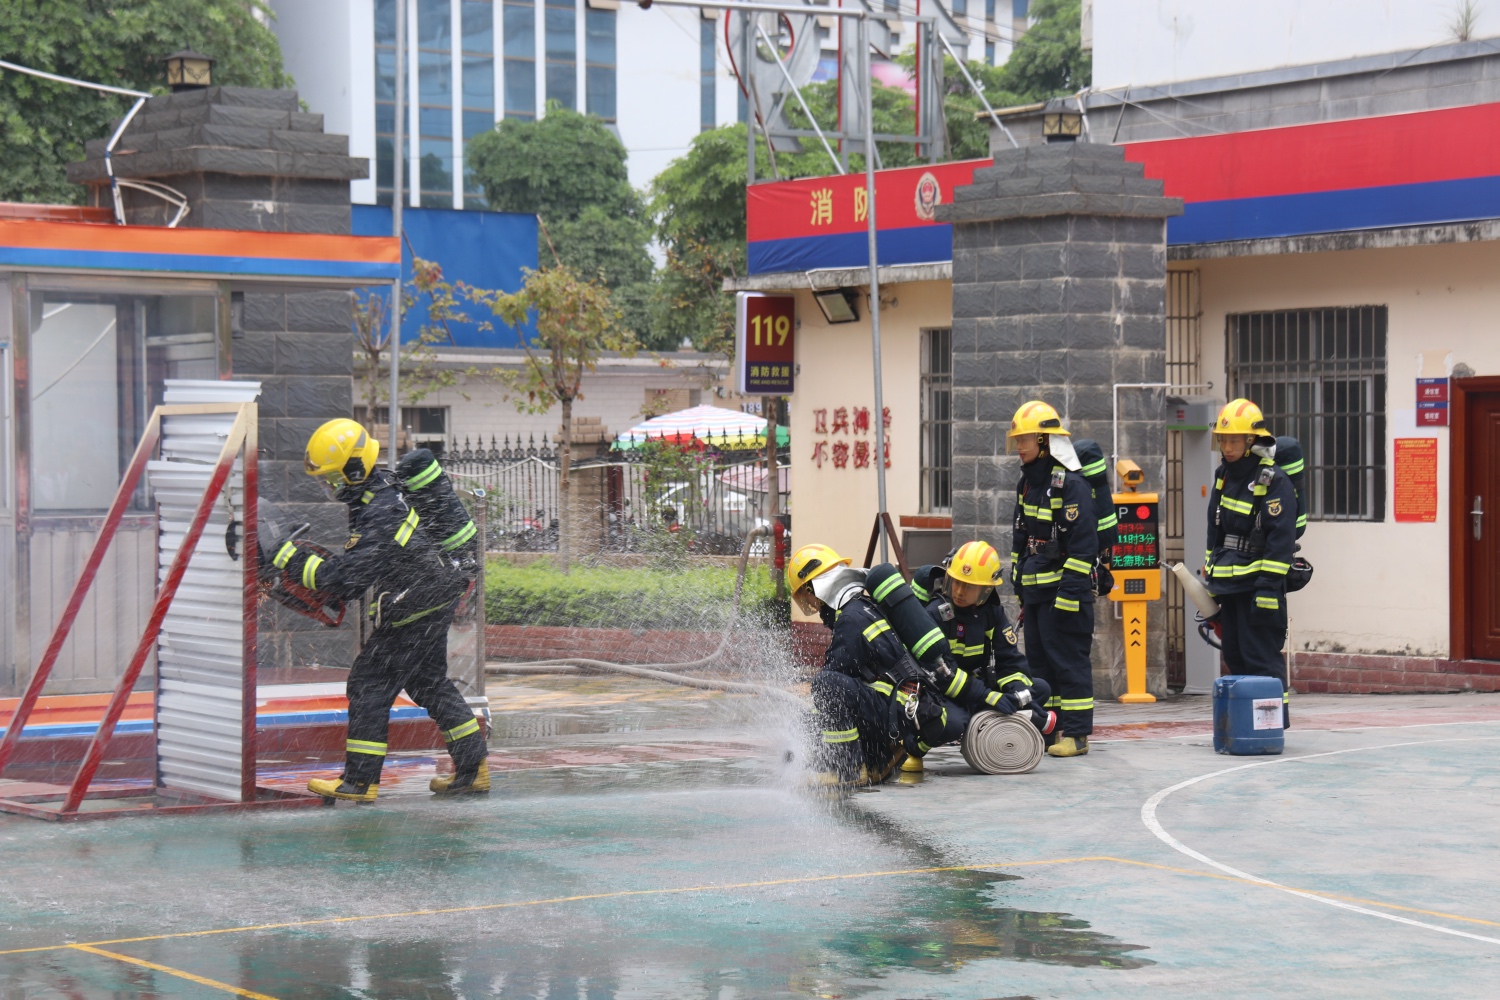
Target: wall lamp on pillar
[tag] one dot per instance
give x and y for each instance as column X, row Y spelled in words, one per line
column 1062, row 126
column 837, row 304
column 188, row 70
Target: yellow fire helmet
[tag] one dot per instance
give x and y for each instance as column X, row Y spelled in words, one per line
column 1036, row 417
column 808, row 563
column 340, row 453
column 1241, row 416
column 976, row 563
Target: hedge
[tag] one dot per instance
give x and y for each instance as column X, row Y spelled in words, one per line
column 607, row 597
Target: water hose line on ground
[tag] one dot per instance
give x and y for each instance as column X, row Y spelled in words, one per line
column 668, row 672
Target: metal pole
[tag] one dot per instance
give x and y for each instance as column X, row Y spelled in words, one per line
column 978, row 92
column 798, row 94
column 398, row 197
column 746, row 48
column 869, row 95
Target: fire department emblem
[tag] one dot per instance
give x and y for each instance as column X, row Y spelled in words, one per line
column 1010, row 635
column 1274, row 507
column 353, row 541
column 1071, row 511
column 929, row 196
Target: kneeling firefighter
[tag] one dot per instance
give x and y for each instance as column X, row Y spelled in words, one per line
column 1252, row 542
column 873, row 702
column 416, row 588
column 1054, row 547
column 964, row 600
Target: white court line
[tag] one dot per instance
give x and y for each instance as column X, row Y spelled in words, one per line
column 1306, row 728
column 1148, row 817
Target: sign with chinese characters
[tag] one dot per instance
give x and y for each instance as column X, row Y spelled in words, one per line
column 765, row 344
column 1417, row 480
column 843, row 437
column 1432, row 402
column 1139, row 542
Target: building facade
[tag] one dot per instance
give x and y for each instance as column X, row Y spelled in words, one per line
column 1333, row 259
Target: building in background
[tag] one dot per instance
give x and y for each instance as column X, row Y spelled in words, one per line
column 659, row 77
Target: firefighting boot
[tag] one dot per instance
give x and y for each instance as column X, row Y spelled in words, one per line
column 472, row 783
column 886, row 763
column 911, row 765
column 1069, row 746
column 342, row 788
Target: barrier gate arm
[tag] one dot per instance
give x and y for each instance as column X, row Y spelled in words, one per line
column 242, row 432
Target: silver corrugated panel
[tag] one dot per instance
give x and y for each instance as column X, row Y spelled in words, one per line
column 200, row 652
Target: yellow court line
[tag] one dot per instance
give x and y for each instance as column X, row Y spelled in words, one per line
column 721, row 887
column 201, row 980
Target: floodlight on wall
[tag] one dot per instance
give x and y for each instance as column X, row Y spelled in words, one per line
column 838, row 304
column 188, row 70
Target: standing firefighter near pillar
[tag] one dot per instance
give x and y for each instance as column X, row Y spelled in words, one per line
column 415, row 567
column 1253, row 517
column 1054, row 547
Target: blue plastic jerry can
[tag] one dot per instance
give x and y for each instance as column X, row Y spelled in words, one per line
column 1248, row 715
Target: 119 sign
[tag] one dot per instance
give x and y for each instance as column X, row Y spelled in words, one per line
column 765, row 344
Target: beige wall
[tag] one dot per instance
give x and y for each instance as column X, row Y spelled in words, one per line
column 837, row 506
column 1379, row 588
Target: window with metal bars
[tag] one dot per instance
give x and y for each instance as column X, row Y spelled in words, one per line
column 937, row 421
column 1319, row 375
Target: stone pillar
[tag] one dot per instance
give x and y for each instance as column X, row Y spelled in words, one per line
column 1059, row 293
column 250, row 159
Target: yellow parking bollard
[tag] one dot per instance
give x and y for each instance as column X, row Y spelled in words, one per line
column 1136, row 565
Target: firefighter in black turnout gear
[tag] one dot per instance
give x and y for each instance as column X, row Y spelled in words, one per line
column 414, row 590
column 1252, row 540
column 964, row 600
column 873, row 702
column 1054, row 547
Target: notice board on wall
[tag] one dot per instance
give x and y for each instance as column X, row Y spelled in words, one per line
column 1416, row 480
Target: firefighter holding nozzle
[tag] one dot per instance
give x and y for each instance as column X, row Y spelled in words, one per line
column 415, row 570
column 875, row 700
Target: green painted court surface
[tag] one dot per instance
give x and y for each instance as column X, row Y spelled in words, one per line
column 629, row 857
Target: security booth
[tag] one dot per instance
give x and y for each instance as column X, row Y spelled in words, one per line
column 97, row 321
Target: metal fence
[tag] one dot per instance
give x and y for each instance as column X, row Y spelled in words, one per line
column 644, row 500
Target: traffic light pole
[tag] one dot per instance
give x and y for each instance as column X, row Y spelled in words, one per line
column 863, row 17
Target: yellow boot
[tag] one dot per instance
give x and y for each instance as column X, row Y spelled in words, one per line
column 911, row 765
column 1069, row 746
column 338, row 788
column 444, row 784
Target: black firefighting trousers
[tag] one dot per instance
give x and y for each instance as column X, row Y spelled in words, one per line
column 1253, row 642
column 849, row 721
column 1057, row 651
column 413, row 658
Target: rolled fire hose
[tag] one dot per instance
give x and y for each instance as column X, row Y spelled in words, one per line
column 667, row 672
column 1002, row 744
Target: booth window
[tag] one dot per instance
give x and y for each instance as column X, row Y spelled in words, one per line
column 1320, row 376
column 97, row 365
column 937, row 421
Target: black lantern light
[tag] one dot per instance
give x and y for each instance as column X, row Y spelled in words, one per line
column 188, row 70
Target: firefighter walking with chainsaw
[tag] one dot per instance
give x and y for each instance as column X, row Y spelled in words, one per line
column 1252, row 538
column 415, row 585
column 1054, row 547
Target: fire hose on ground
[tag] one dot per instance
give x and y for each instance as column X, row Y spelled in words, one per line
column 993, row 743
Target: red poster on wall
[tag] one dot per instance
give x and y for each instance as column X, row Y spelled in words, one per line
column 1416, row 480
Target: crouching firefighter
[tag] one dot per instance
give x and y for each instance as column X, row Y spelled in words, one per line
column 873, row 702
column 1252, row 542
column 964, row 600
column 1054, row 547
column 415, row 588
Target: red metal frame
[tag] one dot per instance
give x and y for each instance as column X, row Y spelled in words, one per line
column 243, row 435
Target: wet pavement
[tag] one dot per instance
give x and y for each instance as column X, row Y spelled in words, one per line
column 646, row 841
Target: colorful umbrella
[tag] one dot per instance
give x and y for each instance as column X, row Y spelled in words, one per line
column 729, row 430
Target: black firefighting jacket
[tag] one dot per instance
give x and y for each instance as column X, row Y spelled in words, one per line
column 387, row 552
column 1242, row 556
column 1055, row 538
column 982, row 641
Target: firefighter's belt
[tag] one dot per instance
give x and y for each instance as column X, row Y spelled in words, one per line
column 1043, row 546
column 1242, row 543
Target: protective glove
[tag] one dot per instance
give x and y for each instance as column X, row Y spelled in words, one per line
column 1012, row 702
column 1267, row 603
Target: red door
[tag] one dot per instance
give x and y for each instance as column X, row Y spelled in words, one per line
column 1480, row 537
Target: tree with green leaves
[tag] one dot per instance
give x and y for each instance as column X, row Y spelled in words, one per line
column 116, row 42
column 575, row 325
column 568, row 169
